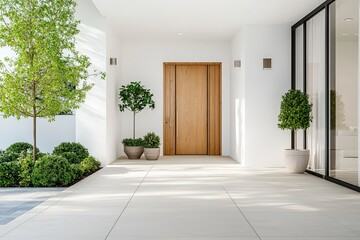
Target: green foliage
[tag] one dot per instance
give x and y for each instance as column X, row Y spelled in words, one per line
column 48, row 170
column 135, row 97
column 15, row 151
column 9, row 174
column 26, row 165
column 74, row 152
column 47, row 75
column 77, row 173
column 130, row 142
column 71, row 157
column 20, row 147
column 295, row 111
column 66, row 112
column 8, row 157
column 151, row 140
column 52, row 171
column 89, row 165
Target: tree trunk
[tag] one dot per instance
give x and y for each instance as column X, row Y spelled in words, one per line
column 134, row 126
column 34, row 136
column 295, row 139
column 34, row 120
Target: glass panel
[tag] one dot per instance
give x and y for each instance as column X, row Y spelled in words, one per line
column 315, row 65
column 344, row 47
column 300, row 73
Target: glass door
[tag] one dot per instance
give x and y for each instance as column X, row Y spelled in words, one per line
column 344, row 101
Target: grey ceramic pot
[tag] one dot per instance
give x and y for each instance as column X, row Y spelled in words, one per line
column 133, row 152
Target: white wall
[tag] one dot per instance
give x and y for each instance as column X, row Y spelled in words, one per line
column 91, row 117
column 49, row 134
column 237, row 99
column 143, row 61
column 256, row 95
column 114, row 145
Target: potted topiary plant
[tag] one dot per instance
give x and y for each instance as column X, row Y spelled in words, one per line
column 133, row 148
column 135, row 98
column 295, row 114
column 151, row 146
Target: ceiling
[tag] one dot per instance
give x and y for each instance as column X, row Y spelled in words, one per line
column 215, row 20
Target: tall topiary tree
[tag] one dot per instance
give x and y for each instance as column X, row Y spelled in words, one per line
column 295, row 112
column 47, row 75
column 135, row 98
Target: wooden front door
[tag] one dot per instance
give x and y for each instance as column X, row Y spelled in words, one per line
column 192, row 109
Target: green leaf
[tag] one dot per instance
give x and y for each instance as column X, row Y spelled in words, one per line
column 47, row 75
column 295, row 111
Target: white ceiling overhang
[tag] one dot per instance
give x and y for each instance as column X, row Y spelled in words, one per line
column 215, row 20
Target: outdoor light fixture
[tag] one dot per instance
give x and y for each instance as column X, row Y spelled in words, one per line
column 113, row 61
column 267, row 63
column 237, row 63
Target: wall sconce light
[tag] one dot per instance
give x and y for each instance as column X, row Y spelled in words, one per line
column 237, row 64
column 113, row 61
column 267, row 63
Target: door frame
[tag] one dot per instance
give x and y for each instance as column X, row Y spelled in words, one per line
column 169, row 105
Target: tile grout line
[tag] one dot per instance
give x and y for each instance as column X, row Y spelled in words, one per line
column 242, row 213
column 127, row 204
column 46, row 208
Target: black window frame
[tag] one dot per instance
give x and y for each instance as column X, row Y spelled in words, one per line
column 324, row 6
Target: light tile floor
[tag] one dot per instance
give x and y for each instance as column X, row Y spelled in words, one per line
column 193, row 198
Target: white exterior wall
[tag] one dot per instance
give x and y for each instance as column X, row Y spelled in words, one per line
column 259, row 92
column 143, row 61
column 91, row 117
column 237, row 99
column 114, row 146
column 49, row 134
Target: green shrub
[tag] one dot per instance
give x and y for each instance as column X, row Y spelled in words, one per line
column 16, row 151
column 52, row 171
column 295, row 111
column 129, row 142
column 26, row 166
column 89, row 165
column 151, row 140
column 20, row 147
column 8, row 157
column 9, row 174
column 77, row 173
column 71, row 157
column 76, row 148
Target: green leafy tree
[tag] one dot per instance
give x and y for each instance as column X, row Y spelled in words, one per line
column 295, row 111
column 47, row 75
column 135, row 98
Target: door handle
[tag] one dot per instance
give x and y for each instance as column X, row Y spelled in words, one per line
column 177, row 124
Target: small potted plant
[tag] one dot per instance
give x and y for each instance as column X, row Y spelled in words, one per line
column 133, row 148
column 295, row 114
column 135, row 98
column 151, row 146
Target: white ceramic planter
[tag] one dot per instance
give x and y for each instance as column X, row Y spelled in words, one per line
column 133, row 152
column 296, row 161
column 152, row 153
